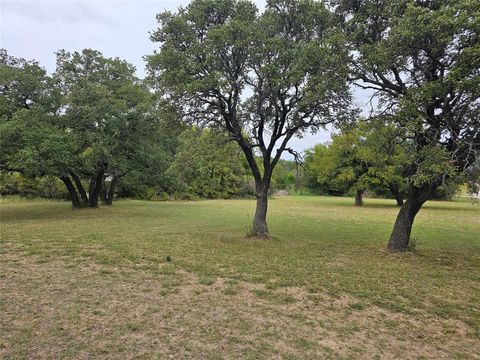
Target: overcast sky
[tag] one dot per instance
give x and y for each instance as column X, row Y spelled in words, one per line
column 36, row 29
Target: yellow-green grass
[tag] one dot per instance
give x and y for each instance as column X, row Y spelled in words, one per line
column 326, row 258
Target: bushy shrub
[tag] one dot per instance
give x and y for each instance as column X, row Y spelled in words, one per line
column 206, row 165
column 50, row 187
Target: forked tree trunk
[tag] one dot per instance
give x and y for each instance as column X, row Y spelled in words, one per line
column 81, row 189
column 71, row 191
column 359, row 198
column 396, row 193
column 400, row 237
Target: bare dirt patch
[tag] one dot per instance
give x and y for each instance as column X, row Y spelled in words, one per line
column 77, row 308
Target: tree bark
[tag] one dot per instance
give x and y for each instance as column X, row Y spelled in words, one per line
column 260, row 228
column 71, row 191
column 95, row 187
column 396, row 193
column 81, row 189
column 400, row 237
column 359, row 198
column 91, row 186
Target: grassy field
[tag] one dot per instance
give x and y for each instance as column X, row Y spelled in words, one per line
column 95, row 283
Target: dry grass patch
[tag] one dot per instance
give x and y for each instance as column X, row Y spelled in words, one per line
column 80, row 309
column 96, row 283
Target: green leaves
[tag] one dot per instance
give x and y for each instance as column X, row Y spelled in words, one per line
column 361, row 157
column 92, row 114
column 432, row 162
column 420, row 58
column 261, row 77
column 205, row 165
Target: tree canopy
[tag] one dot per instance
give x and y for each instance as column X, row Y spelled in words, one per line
column 421, row 60
column 90, row 120
column 359, row 158
column 263, row 78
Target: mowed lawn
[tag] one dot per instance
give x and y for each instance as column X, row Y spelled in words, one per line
column 95, row 283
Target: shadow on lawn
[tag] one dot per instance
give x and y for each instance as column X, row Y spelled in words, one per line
column 62, row 210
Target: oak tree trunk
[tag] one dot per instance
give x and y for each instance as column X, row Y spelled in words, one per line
column 400, row 237
column 71, row 191
column 260, row 220
column 359, row 198
column 260, row 228
column 81, row 189
column 95, row 188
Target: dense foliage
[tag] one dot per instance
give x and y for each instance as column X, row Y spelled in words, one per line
column 226, row 73
column 262, row 78
column 362, row 158
column 89, row 124
column 421, row 59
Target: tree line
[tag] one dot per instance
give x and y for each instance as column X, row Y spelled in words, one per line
column 226, row 73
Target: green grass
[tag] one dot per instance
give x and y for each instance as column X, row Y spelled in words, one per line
column 322, row 245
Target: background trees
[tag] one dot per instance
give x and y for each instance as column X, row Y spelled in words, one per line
column 421, row 60
column 109, row 112
column 230, row 73
column 89, row 122
column 262, row 78
column 206, row 165
column 344, row 164
column 31, row 141
column 366, row 156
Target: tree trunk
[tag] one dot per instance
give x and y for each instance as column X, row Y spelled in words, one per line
column 260, row 228
column 91, row 186
column 95, row 188
column 71, row 191
column 81, row 189
column 104, row 191
column 402, row 229
column 396, row 193
column 108, row 195
column 359, row 198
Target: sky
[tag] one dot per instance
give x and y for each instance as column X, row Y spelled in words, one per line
column 35, row 29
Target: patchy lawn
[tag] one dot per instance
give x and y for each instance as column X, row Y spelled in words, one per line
column 95, row 283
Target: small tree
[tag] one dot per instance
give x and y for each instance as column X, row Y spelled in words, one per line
column 342, row 164
column 421, row 59
column 262, row 78
column 359, row 158
column 387, row 156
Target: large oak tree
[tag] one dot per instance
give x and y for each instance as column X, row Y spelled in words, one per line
column 421, row 60
column 92, row 120
column 263, row 78
column 109, row 112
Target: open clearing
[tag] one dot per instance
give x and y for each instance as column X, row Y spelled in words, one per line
column 95, row 283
